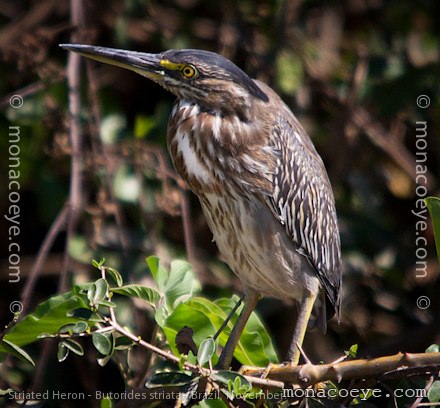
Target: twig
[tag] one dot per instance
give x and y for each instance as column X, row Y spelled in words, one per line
column 309, row 374
column 380, row 137
column 75, row 194
column 24, row 92
column 138, row 340
column 43, row 252
column 303, row 353
column 111, row 321
column 228, row 318
column 265, row 382
column 418, row 400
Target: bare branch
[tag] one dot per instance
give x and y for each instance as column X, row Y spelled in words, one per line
column 43, row 252
column 381, row 138
column 396, row 366
column 138, row 340
column 75, row 194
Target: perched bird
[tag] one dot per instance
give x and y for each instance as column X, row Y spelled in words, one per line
column 262, row 186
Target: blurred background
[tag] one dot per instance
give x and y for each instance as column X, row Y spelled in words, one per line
column 355, row 73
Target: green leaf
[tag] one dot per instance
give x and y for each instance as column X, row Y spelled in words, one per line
column 6, row 391
column 83, row 314
column 73, row 346
column 150, row 295
column 48, row 318
column 161, row 315
column 255, row 346
column 116, row 276
column 206, row 350
column 16, row 351
column 68, row 328
column 186, row 315
column 434, row 392
column 187, row 392
column 169, row 379
column 98, row 264
column 289, row 72
column 106, row 303
column 211, row 403
column 176, row 285
column 104, row 359
column 143, row 125
column 235, row 382
column 433, row 348
column 101, row 288
column 352, row 351
column 80, row 327
column 106, row 402
column 160, row 274
column 123, row 343
column 62, row 352
column 181, row 283
column 102, row 343
column 205, row 317
column 433, row 204
column 91, row 294
column 76, row 328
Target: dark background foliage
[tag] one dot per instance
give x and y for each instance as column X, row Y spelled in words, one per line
column 350, row 70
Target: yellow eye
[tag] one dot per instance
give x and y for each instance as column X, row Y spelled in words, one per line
column 188, row 71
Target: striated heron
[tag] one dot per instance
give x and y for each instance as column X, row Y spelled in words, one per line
column 262, row 186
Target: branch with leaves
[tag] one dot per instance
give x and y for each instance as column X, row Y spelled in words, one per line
column 183, row 363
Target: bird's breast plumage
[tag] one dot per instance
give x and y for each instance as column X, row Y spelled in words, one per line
column 265, row 194
column 210, row 150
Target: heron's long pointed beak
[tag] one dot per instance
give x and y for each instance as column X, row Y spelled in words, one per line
column 140, row 62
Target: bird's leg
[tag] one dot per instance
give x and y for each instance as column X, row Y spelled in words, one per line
column 305, row 310
column 251, row 301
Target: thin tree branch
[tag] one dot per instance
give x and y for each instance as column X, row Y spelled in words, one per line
column 75, row 194
column 309, row 374
column 381, row 138
column 43, row 252
column 418, row 400
column 24, row 92
column 138, row 340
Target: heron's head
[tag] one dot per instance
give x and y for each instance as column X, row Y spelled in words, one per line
column 205, row 77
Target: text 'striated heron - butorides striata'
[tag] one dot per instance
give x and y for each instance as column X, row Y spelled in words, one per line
column 263, row 187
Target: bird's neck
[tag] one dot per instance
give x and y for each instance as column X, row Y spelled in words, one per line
column 208, row 146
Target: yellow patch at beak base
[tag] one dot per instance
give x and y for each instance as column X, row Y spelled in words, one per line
column 171, row 65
